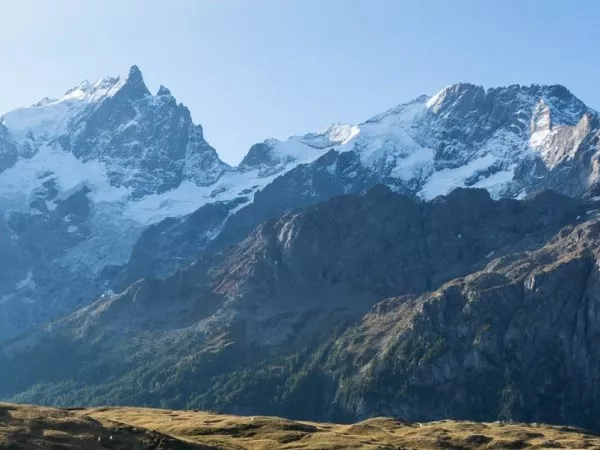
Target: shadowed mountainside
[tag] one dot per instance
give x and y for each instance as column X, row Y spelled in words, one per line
column 366, row 305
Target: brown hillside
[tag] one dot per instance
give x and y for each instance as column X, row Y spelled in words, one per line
column 30, row 427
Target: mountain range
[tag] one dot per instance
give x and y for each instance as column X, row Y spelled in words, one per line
column 437, row 260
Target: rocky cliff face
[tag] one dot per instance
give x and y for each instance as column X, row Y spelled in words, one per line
column 8, row 150
column 517, row 340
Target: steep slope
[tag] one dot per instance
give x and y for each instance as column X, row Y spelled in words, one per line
column 269, row 325
column 8, row 150
column 516, row 340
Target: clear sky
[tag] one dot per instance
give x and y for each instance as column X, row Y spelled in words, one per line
column 253, row 69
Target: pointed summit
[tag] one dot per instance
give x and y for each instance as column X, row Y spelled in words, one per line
column 135, row 82
column 461, row 98
column 135, row 73
column 163, row 91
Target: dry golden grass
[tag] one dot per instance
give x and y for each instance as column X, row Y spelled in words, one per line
column 32, row 427
column 28, row 427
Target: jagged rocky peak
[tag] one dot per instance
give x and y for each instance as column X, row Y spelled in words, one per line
column 457, row 100
column 565, row 107
column 135, row 76
column 163, row 91
column 147, row 144
column 152, row 143
column 134, row 84
column 258, row 154
column 463, row 136
column 460, row 101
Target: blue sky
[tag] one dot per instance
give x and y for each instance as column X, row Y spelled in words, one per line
column 253, row 69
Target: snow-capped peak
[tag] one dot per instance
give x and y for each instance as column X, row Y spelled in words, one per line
column 163, row 91
column 94, row 91
column 49, row 118
column 145, row 143
column 455, row 99
column 466, row 135
column 437, row 98
column 274, row 155
column 135, row 85
column 50, row 115
column 135, row 74
column 404, row 115
column 340, row 133
column 447, row 91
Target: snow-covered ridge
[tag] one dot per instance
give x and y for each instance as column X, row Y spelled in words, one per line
column 39, row 130
column 467, row 136
column 93, row 91
column 50, row 118
column 404, row 142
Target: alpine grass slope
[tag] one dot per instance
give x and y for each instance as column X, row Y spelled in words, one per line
column 27, row 427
